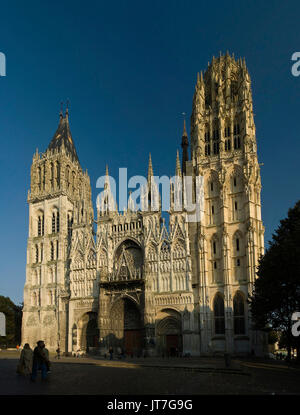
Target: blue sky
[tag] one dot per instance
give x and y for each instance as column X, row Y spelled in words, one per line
column 129, row 70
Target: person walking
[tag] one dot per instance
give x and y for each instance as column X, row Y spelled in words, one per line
column 57, row 353
column 40, row 361
column 26, row 360
column 110, row 353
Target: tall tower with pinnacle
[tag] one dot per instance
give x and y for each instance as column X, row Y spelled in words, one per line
column 59, row 202
column 229, row 239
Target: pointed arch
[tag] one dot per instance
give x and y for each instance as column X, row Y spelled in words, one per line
column 219, row 314
column 239, row 313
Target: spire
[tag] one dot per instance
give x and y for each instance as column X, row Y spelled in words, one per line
column 184, row 146
column 150, row 171
column 63, row 138
column 67, row 110
column 105, row 201
column 178, row 168
column 106, row 184
column 184, row 134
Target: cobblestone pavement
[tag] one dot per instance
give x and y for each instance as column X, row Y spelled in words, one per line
column 80, row 376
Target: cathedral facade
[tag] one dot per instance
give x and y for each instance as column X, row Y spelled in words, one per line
column 131, row 281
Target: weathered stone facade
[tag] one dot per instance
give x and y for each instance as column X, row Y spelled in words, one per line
column 139, row 284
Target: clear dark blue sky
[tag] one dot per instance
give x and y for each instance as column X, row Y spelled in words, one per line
column 129, row 69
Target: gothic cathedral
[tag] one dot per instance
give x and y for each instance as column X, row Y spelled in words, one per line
column 137, row 283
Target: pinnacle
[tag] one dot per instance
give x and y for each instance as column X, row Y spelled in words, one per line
column 178, row 168
column 150, row 169
column 184, row 134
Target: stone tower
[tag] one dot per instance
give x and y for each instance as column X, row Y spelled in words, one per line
column 59, row 200
column 228, row 240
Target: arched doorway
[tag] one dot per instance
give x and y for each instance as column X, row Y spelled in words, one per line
column 127, row 327
column 88, row 331
column 169, row 333
column 92, row 333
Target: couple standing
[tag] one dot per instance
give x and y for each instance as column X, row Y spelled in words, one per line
column 32, row 361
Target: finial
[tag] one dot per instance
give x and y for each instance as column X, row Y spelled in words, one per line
column 106, row 170
column 67, row 108
column 61, row 110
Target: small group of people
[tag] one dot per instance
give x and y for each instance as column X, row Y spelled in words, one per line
column 32, row 361
column 120, row 353
column 78, row 353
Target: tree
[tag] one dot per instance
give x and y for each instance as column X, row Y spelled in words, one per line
column 13, row 315
column 276, row 294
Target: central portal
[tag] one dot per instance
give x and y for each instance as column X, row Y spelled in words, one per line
column 127, row 327
column 132, row 328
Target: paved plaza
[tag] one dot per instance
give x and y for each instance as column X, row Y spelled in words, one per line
column 195, row 376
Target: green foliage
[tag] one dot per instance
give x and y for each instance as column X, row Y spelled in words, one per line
column 276, row 293
column 13, row 315
column 272, row 337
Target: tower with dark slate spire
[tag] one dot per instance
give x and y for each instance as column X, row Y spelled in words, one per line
column 59, row 204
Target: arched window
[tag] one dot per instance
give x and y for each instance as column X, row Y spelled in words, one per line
column 227, row 144
column 237, row 142
column 36, row 253
column 216, row 138
column 70, row 224
column 236, row 129
column 216, row 133
column 57, row 249
column 53, row 222
column 57, row 222
column 40, row 178
column 39, row 226
column 214, row 247
column 207, row 149
column 219, row 315
column 57, row 174
column 239, row 314
column 73, row 181
column 227, row 130
column 216, row 147
column 236, row 133
column 68, row 177
column 52, row 175
column 52, row 251
column 207, row 134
